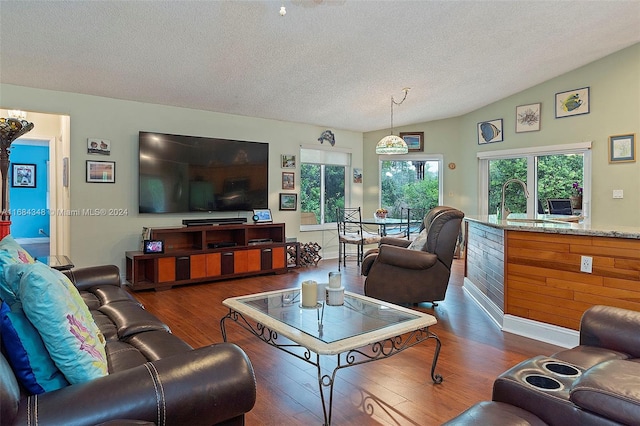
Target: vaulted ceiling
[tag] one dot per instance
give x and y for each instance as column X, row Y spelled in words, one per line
column 334, row 64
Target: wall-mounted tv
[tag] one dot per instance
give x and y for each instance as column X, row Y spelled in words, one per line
column 180, row 174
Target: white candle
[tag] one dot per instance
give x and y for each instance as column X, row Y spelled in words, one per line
column 334, row 279
column 309, row 293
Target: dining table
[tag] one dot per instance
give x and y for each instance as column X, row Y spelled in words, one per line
column 385, row 222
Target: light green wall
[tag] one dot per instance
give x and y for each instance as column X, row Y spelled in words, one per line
column 614, row 83
column 104, row 239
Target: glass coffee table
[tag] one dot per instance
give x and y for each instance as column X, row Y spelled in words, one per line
column 361, row 330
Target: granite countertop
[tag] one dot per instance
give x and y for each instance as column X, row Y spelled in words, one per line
column 556, row 224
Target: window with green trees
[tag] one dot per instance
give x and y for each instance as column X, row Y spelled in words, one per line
column 323, row 184
column 556, row 176
column 414, row 184
column 322, row 190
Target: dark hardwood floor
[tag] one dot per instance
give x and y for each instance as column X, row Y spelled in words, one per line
column 394, row 391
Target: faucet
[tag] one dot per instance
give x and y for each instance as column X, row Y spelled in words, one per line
column 504, row 212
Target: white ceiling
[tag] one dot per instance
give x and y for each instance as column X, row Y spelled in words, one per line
column 334, row 64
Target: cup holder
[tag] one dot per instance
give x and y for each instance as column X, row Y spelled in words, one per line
column 561, row 369
column 543, row 382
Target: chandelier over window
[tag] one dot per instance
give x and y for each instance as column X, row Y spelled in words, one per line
column 393, row 144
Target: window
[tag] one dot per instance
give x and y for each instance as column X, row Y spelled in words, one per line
column 549, row 172
column 410, row 182
column 323, row 185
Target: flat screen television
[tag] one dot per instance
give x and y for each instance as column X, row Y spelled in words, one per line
column 180, row 174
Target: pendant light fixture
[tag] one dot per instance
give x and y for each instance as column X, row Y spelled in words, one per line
column 393, row 144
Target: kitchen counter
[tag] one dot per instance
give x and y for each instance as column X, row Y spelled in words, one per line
column 556, row 224
column 534, row 273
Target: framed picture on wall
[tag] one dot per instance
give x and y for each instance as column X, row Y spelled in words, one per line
column 490, row 131
column 622, row 148
column 288, row 161
column 101, row 171
column 23, row 175
column 572, row 102
column 528, row 118
column 414, row 140
column 288, row 180
column 288, row 201
column 98, row 146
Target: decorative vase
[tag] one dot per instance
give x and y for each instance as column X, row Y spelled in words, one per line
column 576, row 201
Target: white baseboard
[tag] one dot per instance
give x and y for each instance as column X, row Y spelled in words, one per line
column 481, row 299
column 536, row 330
column 541, row 331
column 36, row 240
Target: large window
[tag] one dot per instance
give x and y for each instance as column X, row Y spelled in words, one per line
column 323, row 185
column 562, row 171
column 410, row 182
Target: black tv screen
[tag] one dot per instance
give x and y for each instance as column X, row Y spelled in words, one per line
column 179, row 174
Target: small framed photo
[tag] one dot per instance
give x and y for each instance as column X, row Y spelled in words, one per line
column 153, row 247
column 357, row 175
column 288, row 180
column 528, row 118
column 101, row 171
column 24, row 175
column 288, row 161
column 98, row 146
column 490, row 131
column 414, row 140
column 262, row 216
column 572, row 102
column 288, row 201
column 622, row 148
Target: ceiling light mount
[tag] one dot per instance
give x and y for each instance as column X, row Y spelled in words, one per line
column 393, row 144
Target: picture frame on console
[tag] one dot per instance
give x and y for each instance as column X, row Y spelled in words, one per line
column 262, row 216
column 288, row 201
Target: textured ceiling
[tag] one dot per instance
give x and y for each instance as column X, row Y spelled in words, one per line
column 334, row 64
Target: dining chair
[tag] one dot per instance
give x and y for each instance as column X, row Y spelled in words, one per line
column 351, row 231
column 414, row 221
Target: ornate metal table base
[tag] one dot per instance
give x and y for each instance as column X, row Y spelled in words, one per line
column 378, row 350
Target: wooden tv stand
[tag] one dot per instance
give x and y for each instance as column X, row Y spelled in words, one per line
column 207, row 253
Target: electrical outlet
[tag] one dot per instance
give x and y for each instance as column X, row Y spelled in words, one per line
column 586, row 264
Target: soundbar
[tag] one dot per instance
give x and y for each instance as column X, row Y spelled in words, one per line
column 221, row 244
column 214, row 221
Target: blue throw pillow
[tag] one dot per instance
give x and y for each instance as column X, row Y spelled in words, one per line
column 27, row 354
column 11, row 253
column 56, row 309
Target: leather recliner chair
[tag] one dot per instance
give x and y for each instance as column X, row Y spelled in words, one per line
column 398, row 274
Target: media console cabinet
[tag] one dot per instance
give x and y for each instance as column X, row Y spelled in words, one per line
column 206, row 253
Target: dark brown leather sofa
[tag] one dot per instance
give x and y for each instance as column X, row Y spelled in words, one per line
column 595, row 383
column 400, row 275
column 154, row 376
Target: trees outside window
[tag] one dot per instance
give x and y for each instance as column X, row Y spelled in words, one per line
column 322, row 190
column 546, row 176
column 410, row 183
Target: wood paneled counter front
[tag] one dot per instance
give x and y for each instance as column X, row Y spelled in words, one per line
column 531, row 268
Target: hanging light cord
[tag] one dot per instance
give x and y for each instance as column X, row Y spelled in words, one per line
column 405, row 90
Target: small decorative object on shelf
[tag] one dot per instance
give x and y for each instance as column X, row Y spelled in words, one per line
column 576, row 196
column 382, row 213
